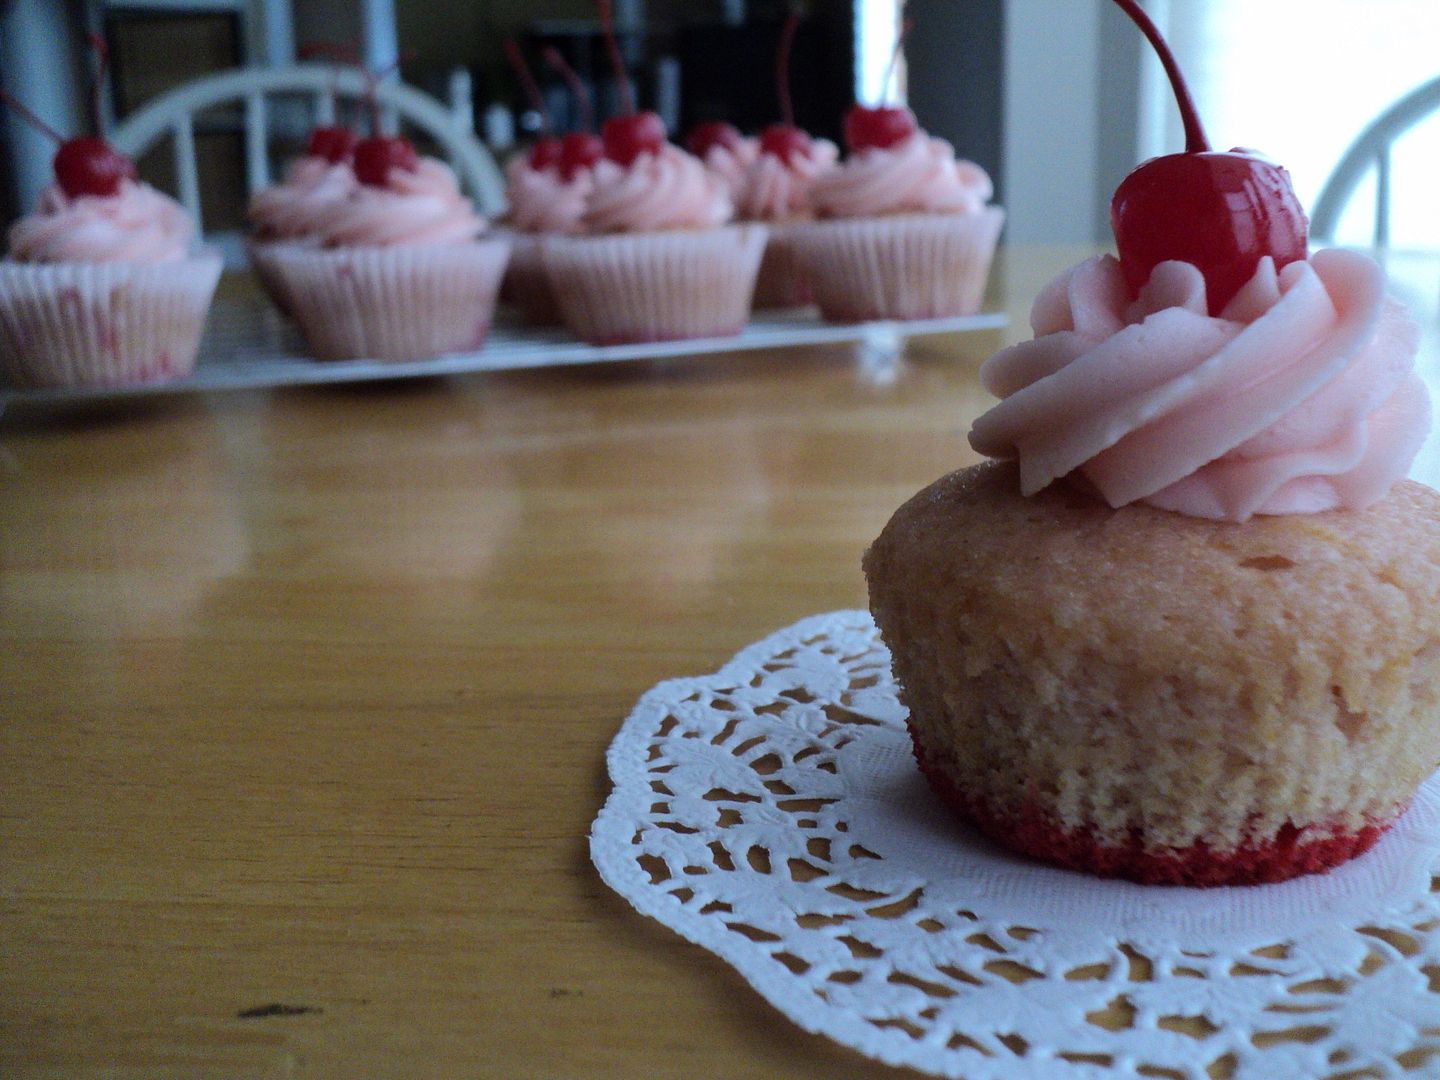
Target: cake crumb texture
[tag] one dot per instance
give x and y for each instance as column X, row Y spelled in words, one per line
column 1143, row 677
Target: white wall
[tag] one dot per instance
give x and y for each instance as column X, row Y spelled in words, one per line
column 1071, row 117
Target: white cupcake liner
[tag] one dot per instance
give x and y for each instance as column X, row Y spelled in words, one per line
column 781, row 282
column 661, row 286
column 905, row 266
column 526, row 286
column 262, row 255
column 103, row 324
column 407, row 302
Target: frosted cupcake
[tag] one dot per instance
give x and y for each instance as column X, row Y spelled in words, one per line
column 546, row 190
column 905, row 232
column 777, row 191
column 295, row 210
column 103, row 290
column 1189, row 630
column 398, row 270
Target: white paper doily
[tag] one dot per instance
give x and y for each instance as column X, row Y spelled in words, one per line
column 772, row 813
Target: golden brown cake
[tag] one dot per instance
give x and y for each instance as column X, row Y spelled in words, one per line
column 1147, row 694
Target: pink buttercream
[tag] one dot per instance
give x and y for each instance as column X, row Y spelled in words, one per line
column 419, row 206
column 777, row 190
column 542, row 201
column 1300, row 397
column 299, row 207
column 665, row 190
column 919, row 175
column 730, row 164
column 136, row 224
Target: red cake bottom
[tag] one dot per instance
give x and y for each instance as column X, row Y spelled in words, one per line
column 1289, row 853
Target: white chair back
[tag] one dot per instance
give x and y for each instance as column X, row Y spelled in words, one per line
column 173, row 113
column 1372, row 148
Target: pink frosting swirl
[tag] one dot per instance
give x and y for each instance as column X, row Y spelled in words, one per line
column 136, row 224
column 1300, row 397
column 665, row 190
column 542, row 201
column 419, row 206
column 299, row 206
column 731, row 164
column 777, row 190
column 919, row 175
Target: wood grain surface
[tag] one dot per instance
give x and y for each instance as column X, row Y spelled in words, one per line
column 306, row 696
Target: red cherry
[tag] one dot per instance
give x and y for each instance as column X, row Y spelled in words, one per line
column 546, row 153
column 91, row 166
column 334, row 144
column 377, row 155
column 713, row 133
column 878, row 128
column 784, row 142
column 627, row 137
column 579, row 151
column 1222, row 213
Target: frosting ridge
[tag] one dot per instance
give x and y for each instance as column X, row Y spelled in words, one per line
column 415, row 206
column 919, row 175
column 731, row 164
column 543, row 201
column 299, row 206
column 776, row 190
column 666, row 190
column 136, row 224
column 1299, row 397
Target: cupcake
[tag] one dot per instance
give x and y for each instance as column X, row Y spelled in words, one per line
column 1187, row 628
column 776, row 191
column 904, row 229
column 724, row 151
column 293, row 211
column 101, row 287
column 398, row 270
column 656, row 260
column 546, row 190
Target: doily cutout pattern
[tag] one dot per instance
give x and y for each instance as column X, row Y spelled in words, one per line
column 771, row 813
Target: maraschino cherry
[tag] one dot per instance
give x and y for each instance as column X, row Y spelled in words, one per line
column 579, row 150
column 547, row 151
column 86, row 165
column 631, row 134
column 883, row 126
column 705, row 137
column 1220, row 212
column 332, row 142
column 784, row 140
column 378, row 155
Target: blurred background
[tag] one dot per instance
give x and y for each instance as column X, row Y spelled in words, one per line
column 1057, row 99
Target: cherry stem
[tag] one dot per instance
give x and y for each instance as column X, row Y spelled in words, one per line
column 527, row 84
column 607, row 27
column 97, row 89
column 782, row 68
column 575, row 83
column 14, row 103
column 372, row 92
column 1195, row 141
column 894, row 59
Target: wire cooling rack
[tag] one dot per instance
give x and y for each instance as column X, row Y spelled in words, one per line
column 249, row 345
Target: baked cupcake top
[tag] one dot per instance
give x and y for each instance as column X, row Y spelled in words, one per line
column 919, row 174
column 300, row 205
column 544, row 200
column 136, row 224
column 419, row 205
column 663, row 189
column 778, row 187
column 1300, row 396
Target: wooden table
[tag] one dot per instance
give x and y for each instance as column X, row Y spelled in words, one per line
column 306, row 696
